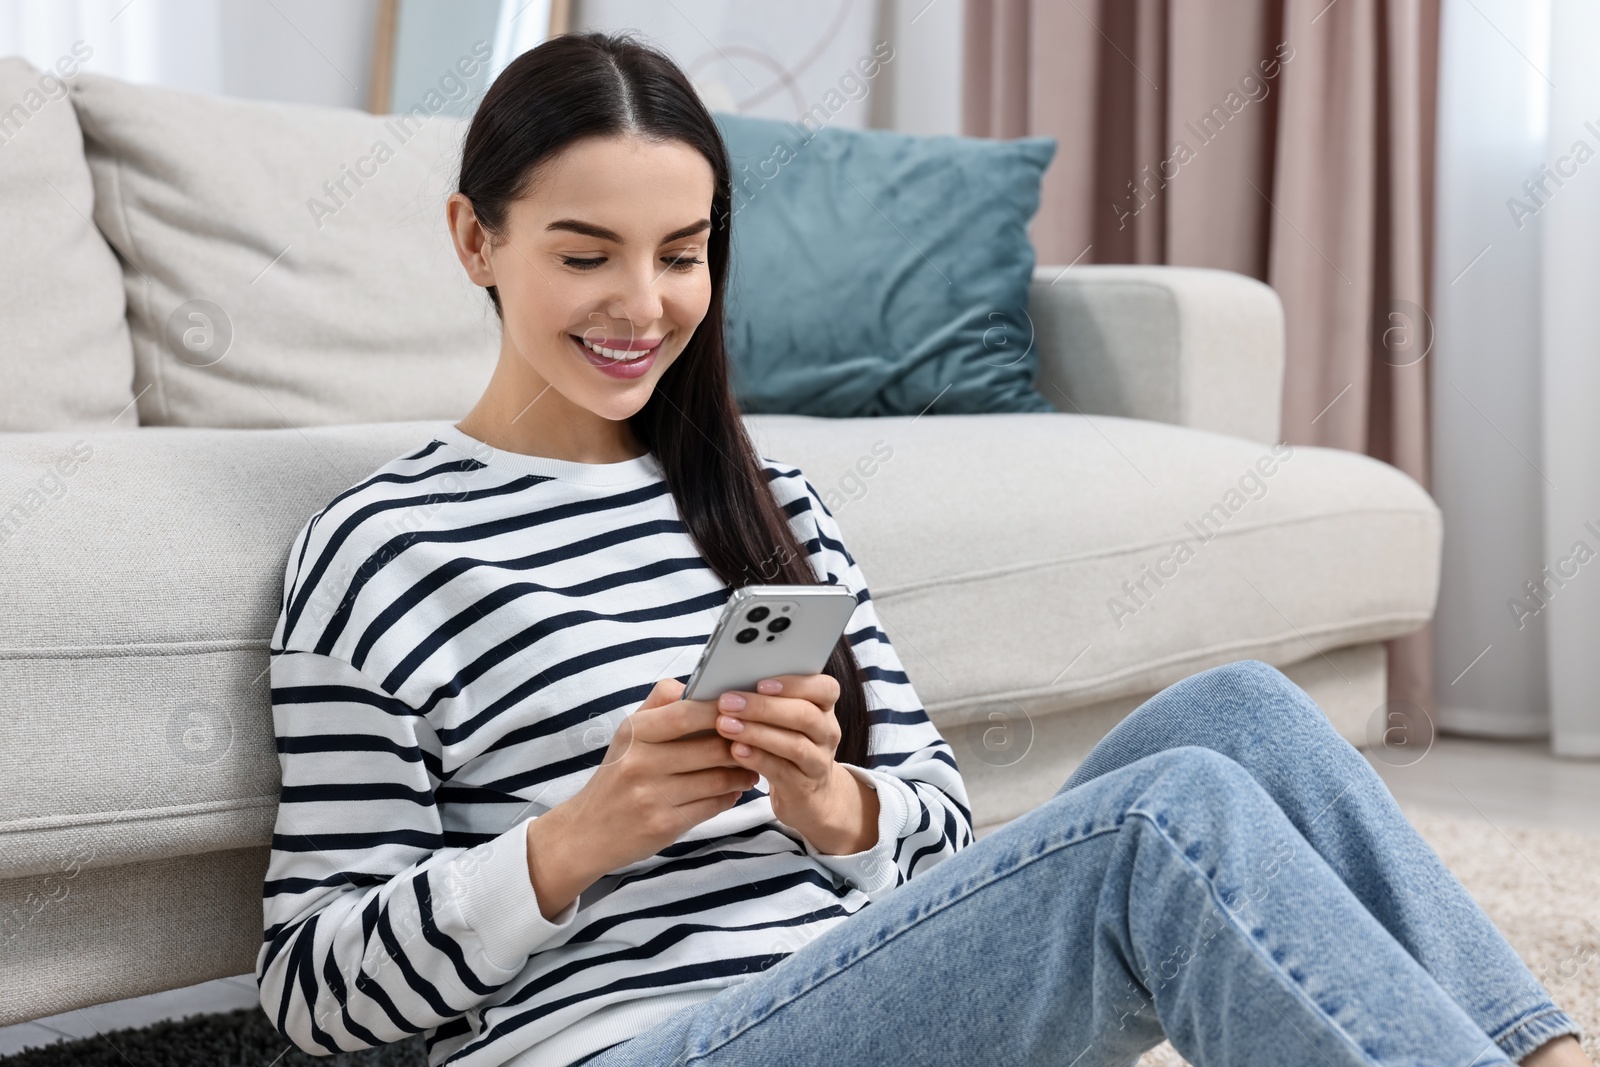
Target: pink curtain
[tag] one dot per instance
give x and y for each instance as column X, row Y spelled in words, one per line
column 1289, row 141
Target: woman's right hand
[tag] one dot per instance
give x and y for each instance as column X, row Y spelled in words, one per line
column 652, row 786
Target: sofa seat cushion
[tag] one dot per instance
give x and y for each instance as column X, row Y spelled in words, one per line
column 285, row 264
column 66, row 362
column 135, row 651
column 1059, row 560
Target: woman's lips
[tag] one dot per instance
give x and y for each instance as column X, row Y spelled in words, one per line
column 634, row 368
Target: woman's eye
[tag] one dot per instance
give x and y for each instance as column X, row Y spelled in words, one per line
column 677, row 263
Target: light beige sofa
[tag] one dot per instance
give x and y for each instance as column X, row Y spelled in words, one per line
column 147, row 503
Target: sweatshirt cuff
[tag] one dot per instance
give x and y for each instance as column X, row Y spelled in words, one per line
column 872, row 870
column 494, row 892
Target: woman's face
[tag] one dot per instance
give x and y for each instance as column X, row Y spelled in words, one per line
column 602, row 272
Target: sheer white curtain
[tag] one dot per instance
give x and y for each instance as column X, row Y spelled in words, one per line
column 1570, row 351
column 304, row 51
column 1515, row 374
column 178, row 43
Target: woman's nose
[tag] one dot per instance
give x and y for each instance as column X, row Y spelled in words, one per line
column 639, row 301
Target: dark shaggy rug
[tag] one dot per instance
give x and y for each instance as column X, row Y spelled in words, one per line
column 243, row 1038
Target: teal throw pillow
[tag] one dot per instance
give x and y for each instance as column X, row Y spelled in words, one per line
column 880, row 273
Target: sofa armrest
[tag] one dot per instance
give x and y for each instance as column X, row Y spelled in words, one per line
column 1184, row 345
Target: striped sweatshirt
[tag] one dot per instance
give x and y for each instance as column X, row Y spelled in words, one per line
column 461, row 633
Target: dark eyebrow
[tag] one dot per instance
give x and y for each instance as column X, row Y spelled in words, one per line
column 588, row 229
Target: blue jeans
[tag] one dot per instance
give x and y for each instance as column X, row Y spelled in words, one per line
column 1223, row 870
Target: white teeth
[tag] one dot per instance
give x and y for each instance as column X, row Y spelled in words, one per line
column 619, row 354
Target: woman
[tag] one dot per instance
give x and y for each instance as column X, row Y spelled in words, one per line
column 502, row 621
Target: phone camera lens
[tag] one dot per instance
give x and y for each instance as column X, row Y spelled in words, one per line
column 778, row 625
column 745, row 636
column 757, row 614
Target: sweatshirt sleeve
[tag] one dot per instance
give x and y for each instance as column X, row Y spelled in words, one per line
column 924, row 815
column 373, row 929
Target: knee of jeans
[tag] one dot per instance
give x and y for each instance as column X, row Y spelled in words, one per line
column 1248, row 680
column 1205, row 805
column 1202, row 771
column 1251, row 673
column 1200, row 799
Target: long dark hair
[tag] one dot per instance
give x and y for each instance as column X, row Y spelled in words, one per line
column 595, row 84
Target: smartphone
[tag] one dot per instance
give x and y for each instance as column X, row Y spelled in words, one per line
column 767, row 630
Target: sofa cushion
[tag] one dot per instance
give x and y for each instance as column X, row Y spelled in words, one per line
column 1056, row 560
column 994, row 546
column 65, row 359
column 857, row 285
column 285, row 264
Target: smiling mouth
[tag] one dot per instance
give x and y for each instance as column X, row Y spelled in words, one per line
column 619, row 351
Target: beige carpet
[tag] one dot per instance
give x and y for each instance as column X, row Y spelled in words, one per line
column 1541, row 888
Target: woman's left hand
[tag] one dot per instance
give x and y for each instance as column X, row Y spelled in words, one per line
column 786, row 731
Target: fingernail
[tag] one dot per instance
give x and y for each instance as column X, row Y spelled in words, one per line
column 742, row 750
column 732, row 701
column 769, row 686
column 731, row 725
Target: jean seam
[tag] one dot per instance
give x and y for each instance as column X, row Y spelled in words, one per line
column 1265, row 957
column 1534, row 1015
column 942, row 906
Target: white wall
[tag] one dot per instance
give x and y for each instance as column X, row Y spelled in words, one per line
column 925, row 91
column 303, row 51
column 778, row 61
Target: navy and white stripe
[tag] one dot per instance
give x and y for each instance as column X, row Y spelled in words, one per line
column 460, row 635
